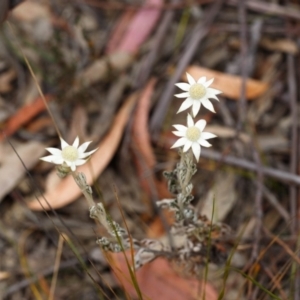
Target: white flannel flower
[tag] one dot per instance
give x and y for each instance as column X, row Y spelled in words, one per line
column 72, row 156
column 192, row 136
column 197, row 93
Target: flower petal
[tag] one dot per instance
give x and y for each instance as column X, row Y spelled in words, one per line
column 190, row 79
column 204, row 143
column 185, row 105
column 76, row 142
column 196, row 150
column 53, row 159
column 211, row 93
column 184, row 86
column 80, row 162
column 202, row 80
column 54, row 151
column 63, row 143
column 182, row 95
column 215, row 91
column 83, row 147
column 190, row 121
column 196, row 107
column 207, row 135
column 179, row 133
column 180, row 127
column 207, row 104
column 187, row 145
column 68, row 163
column 179, row 142
column 57, row 157
column 201, row 124
column 208, row 83
column 84, row 155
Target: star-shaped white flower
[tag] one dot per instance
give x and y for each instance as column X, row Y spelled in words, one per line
column 197, row 93
column 70, row 155
column 192, row 136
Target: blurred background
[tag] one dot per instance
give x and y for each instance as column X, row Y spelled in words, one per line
column 107, row 70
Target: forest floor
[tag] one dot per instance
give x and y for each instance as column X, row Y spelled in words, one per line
column 107, row 71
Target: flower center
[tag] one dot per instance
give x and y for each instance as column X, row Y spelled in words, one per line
column 193, row 134
column 69, row 153
column 197, row 91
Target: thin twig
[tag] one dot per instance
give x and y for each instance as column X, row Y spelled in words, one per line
column 276, row 204
column 36, row 82
column 200, row 31
column 21, row 284
column 243, row 61
column 248, row 165
column 275, row 281
column 292, row 90
column 277, row 30
column 154, row 197
column 258, row 206
column 56, row 266
column 294, row 137
column 149, row 61
column 118, row 5
column 269, row 8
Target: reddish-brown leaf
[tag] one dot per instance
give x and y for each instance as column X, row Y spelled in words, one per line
column 157, row 280
column 144, row 157
column 230, row 85
column 119, row 31
column 23, row 116
column 67, row 190
column 140, row 129
column 140, row 27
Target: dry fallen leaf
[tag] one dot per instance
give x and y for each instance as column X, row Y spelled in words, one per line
column 67, row 191
column 6, row 81
column 121, row 53
column 144, row 157
column 230, row 85
column 140, row 129
column 4, row 275
column 221, row 198
column 140, row 27
column 100, row 69
column 157, row 280
column 119, row 31
column 227, row 132
column 30, row 11
column 145, row 160
column 23, row 115
column 12, row 169
column 156, row 229
column 281, row 45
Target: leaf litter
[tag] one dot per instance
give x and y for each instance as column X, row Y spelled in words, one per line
column 89, row 61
